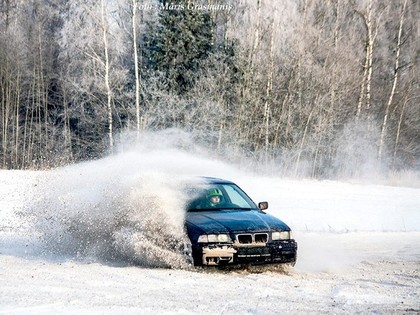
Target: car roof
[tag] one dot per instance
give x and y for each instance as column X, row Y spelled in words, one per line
column 215, row 180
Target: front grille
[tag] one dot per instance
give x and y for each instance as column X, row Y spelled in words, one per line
column 249, row 238
column 261, row 238
column 244, row 238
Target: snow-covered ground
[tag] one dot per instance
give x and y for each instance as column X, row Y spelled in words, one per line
column 69, row 243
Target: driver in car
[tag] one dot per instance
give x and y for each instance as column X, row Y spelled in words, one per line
column 214, row 197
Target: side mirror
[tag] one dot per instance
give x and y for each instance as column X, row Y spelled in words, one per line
column 263, row 205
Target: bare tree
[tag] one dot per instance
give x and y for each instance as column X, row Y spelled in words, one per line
column 394, row 84
column 136, row 65
column 106, row 65
column 267, row 107
column 371, row 33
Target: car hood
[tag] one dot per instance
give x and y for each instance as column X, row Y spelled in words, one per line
column 231, row 221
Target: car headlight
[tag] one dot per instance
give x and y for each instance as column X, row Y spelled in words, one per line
column 283, row 235
column 214, row 238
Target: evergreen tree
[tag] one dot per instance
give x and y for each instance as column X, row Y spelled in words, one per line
column 176, row 45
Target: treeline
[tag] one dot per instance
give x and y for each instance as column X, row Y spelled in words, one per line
column 320, row 88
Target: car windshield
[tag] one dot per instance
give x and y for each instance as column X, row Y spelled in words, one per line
column 219, row 197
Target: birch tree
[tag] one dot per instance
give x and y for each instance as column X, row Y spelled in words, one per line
column 394, row 81
column 267, row 107
column 106, row 65
column 371, row 28
column 136, row 65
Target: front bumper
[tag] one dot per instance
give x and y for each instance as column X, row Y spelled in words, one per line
column 224, row 254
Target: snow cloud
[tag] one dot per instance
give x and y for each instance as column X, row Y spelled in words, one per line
column 129, row 206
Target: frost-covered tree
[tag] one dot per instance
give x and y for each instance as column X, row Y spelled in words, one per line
column 91, row 54
column 178, row 42
column 282, row 83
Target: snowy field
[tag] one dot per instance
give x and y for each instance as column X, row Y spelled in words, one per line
column 69, row 243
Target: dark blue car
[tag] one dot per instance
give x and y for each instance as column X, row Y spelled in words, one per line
column 226, row 227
